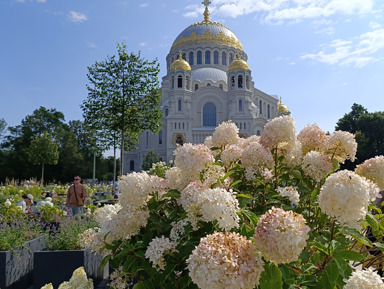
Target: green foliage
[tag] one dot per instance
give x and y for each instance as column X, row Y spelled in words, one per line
column 149, row 159
column 66, row 237
column 44, row 150
column 123, row 98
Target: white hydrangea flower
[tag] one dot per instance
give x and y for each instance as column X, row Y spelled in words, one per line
column 231, row 155
column 225, row 134
column 373, row 169
column 78, row 280
column 281, row 235
column 156, row 250
column 134, row 189
column 312, row 138
column 225, row 260
column 257, row 157
column 342, row 146
column 316, row 165
column 279, row 130
column 7, row 203
column 345, row 196
column 212, row 174
column 205, row 204
column 178, row 229
column 364, row 279
column 291, row 193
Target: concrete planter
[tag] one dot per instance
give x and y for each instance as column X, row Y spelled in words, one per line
column 16, row 266
column 57, row 266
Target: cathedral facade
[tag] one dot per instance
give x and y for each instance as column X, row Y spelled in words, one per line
column 208, row 81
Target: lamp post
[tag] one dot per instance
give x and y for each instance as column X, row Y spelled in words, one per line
column 94, row 167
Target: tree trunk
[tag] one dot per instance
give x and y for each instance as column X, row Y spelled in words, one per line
column 42, row 174
column 122, row 153
column 114, row 165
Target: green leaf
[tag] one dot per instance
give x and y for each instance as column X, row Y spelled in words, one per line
column 379, row 245
column 246, row 230
column 372, row 221
column 332, row 271
column 235, row 183
column 172, row 194
column 350, row 255
column 271, row 277
column 357, row 236
column 342, row 265
column 251, row 216
column 296, row 174
column 320, row 247
column 244, row 196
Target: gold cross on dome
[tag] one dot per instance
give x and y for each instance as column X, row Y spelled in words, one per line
column 206, row 3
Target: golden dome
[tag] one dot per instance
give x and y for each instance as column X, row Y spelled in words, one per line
column 180, row 64
column 238, row 63
column 282, row 108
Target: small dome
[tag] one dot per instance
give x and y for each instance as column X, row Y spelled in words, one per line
column 180, row 64
column 238, row 63
column 209, row 73
column 282, row 108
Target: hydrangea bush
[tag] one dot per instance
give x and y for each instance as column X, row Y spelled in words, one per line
column 273, row 211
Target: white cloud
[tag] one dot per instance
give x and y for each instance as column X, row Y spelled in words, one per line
column 358, row 51
column 142, row 44
column 144, row 5
column 280, row 11
column 91, row 45
column 77, row 17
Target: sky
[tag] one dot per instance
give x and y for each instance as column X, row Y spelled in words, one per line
column 319, row 56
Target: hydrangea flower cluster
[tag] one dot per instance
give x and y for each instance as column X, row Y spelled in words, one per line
column 281, row 235
column 231, row 154
column 364, row 279
column 134, row 189
column 279, row 130
column 156, row 250
column 204, row 204
column 225, row 260
column 316, row 165
column 312, row 138
column 256, row 157
column 225, row 134
column 291, row 193
column 78, row 280
column 342, row 146
column 178, row 229
column 345, row 196
column 373, row 169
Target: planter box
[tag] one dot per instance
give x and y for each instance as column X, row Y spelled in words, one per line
column 57, row 266
column 16, row 266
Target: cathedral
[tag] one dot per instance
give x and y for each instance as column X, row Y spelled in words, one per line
column 208, row 81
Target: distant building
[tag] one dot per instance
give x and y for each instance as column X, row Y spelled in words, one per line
column 208, row 81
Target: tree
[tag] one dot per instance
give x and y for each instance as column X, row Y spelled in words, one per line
column 123, row 98
column 150, row 158
column 44, row 150
column 369, row 130
column 3, row 126
column 349, row 121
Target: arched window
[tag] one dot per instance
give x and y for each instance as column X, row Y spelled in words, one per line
column 240, row 81
column 224, row 58
column 258, row 132
column 247, row 82
column 215, row 57
column 173, row 82
column 268, row 111
column 191, row 58
column 232, row 81
column 184, row 56
column 196, row 86
column 209, row 114
column 187, row 82
column 230, row 58
column 132, row 165
column 208, row 84
column 199, row 57
column 160, row 137
column 179, row 81
column 207, row 57
column 166, row 112
column 245, row 125
column 240, row 105
column 261, row 107
column 221, row 86
column 179, row 105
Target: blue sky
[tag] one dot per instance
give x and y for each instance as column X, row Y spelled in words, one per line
column 320, row 56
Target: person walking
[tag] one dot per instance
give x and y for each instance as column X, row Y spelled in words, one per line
column 76, row 197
